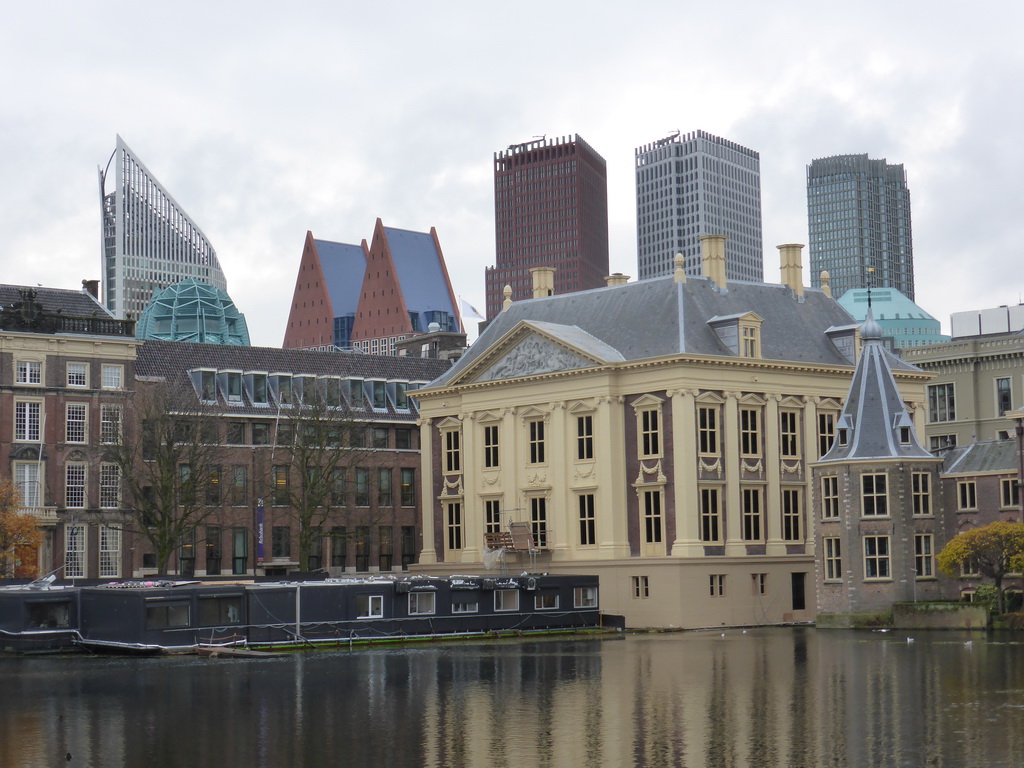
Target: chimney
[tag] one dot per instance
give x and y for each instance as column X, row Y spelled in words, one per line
column 92, row 287
column 616, row 279
column 791, row 259
column 825, row 287
column 543, row 281
column 712, row 251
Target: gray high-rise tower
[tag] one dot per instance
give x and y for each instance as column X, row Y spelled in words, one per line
column 693, row 185
column 858, row 213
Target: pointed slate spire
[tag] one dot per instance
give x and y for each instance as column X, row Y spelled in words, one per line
column 874, row 423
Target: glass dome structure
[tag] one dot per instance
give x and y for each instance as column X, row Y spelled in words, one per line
column 193, row 310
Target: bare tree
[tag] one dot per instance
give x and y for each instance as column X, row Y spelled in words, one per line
column 168, row 441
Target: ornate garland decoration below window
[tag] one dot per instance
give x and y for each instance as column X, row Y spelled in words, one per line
column 758, row 467
column 712, row 466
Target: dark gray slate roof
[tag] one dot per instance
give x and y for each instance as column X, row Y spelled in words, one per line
column 71, row 303
column 172, row 360
column 658, row 317
column 874, row 413
column 987, row 456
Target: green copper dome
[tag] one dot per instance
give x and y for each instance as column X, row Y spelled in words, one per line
column 193, row 311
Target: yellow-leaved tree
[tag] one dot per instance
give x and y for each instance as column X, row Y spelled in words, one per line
column 19, row 535
column 992, row 550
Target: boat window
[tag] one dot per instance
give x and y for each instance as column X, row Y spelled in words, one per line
column 160, row 615
column 506, row 600
column 465, row 606
column 218, row 611
column 585, row 597
column 49, row 615
column 369, row 606
column 421, row 602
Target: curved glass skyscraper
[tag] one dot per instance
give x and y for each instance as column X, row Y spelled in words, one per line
column 149, row 242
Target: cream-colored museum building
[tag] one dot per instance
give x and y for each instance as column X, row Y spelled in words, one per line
column 657, row 433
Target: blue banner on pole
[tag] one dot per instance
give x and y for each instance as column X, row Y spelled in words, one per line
column 259, row 530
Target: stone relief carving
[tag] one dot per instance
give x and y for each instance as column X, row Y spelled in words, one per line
column 532, row 356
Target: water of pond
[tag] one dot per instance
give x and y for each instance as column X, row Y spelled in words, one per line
column 764, row 697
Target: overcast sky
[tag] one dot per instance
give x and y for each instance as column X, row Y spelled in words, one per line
column 265, row 120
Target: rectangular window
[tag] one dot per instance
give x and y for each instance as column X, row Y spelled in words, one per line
column 260, row 433
column 26, row 421
column 110, row 551
column 1003, row 396
column 830, row 497
column 506, row 599
column 213, row 485
column 112, row 376
column 716, row 583
column 165, row 615
column 452, row 451
column 792, row 514
column 588, row 521
column 652, row 517
column 876, row 557
column 26, row 479
column 941, row 403
column 408, row 487
column 384, row 495
column 539, row 520
column 750, row 434
column 369, row 606
column 584, row 438
column 491, row 446
column 751, row 514
column 641, row 587
column 239, row 486
column 28, row 372
column 967, row 495
column 110, row 486
column 379, row 435
column 751, row 341
column 707, row 430
column 874, row 498
column 492, row 516
column 110, row 423
column 826, row 432
column 833, row 559
column 545, row 601
column 281, row 494
column 1009, row 492
column 922, row 494
column 75, row 422
column 650, row 433
column 924, row 563
column 462, row 604
column 421, row 603
column 74, row 551
column 339, row 546
column 789, row 434
column 220, row 611
column 454, row 525
column 74, row 485
column 259, row 389
column 362, row 487
column 379, row 394
column 280, row 542
column 537, row 442
column 78, row 374
column 233, row 387
column 584, row 597
column 939, row 442
column 710, row 516
column 403, row 439
column 759, row 583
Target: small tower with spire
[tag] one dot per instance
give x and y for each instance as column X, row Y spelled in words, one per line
column 878, row 509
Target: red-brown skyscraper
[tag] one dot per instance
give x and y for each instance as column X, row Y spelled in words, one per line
column 550, row 210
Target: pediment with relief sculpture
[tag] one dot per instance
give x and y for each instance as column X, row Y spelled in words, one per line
column 532, row 356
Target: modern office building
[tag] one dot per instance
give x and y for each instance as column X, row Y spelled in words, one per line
column 901, row 320
column 858, row 213
column 193, row 311
column 694, row 185
column 148, row 241
column 550, row 210
column 370, row 297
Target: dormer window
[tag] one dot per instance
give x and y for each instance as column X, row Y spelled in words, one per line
column 401, row 395
column 305, row 388
column 378, row 390
column 355, row 393
column 230, row 383
column 256, row 387
column 740, row 333
column 205, row 383
column 843, row 435
column 281, row 387
column 904, row 435
column 332, row 390
column 750, row 337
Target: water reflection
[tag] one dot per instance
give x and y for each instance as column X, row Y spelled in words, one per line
column 776, row 697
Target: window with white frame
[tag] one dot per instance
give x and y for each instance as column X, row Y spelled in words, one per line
column 452, row 439
column 789, row 434
column 453, row 525
column 28, row 372
column 110, row 551
column 1004, row 398
column 78, row 374
column 369, row 606
column 967, row 495
column 585, row 437
column 924, row 561
column 539, row 520
column 26, row 420
column 74, row 485
column 716, row 583
column 941, row 403
column 833, row 559
column 750, row 336
column 826, row 432
column 759, row 583
column 874, row 497
column 74, row 551
column 652, row 516
column 110, row 486
column 641, row 587
column 110, row 423
column 26, row 480
column 112, row 376
column 710, row 515
column 492, row 515
column 545, row 601
column 876, row 557
column 750, row 499
column 421, row 603
column 792, row 514
column 536, row 440
column 707, row 430
column 587, row 519
column 1009, row 492
column 921, row 491
column 506, row 599
column 491, row 456
column 584, row 597
column 750, row 432
column 650, row 432
column 829, row 497
column 75, row 422
column 461, row 604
